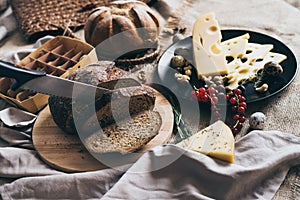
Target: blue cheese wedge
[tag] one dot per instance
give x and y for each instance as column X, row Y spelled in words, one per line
column 215, row 140
column 209, row 56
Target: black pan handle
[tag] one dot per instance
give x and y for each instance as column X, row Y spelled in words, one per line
column 21, row 75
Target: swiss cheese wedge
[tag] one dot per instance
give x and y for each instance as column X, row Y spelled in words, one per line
column 209, row 57
column 215, row 140
column 246, row 65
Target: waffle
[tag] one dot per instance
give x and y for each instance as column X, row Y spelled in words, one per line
column 59, row 57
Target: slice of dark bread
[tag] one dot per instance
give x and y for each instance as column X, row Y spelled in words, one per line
column 128, row 95
column 120, row 104
column 126, row 136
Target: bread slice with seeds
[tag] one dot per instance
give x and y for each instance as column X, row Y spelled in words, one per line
column 126, row 136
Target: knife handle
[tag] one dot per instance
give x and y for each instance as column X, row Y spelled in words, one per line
column 21, row 75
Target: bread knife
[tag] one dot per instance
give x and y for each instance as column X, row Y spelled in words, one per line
column 41, row 82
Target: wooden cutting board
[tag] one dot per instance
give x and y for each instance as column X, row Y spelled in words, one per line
column 66, row 152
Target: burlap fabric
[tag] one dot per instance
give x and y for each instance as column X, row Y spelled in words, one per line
column 282, row 110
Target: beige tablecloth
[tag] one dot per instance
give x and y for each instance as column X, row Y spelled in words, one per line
column 23, row 172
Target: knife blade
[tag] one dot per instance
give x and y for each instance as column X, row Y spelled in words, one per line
column 41, row 82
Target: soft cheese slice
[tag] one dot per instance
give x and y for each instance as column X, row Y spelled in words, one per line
column 208, row 55
column 216, row 141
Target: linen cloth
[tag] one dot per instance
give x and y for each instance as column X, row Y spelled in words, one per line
column 262, row 160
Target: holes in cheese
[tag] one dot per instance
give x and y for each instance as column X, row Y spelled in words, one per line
column 216, row 141
column 215, row 49
column 213, row 29
column 244, row 59
column 229, row 59
column 244, row 70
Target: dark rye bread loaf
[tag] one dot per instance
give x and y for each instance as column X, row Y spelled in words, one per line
column 127, row 98
column 127, row 136
column 121, row 103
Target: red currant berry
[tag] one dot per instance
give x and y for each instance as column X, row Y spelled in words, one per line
column 242, row 119
column 215, row 100
column 237, row 91
column 228, row 96
column 232, row 100
column 243, row 104
column 241, row 98
column 239, row 126
column 235, row 131
column 205, row 98
column 202, row 90
column 195, row 93
column 236, row 117
column 221, row 88
column 211, row 90
column 230, row 93
column 234, row 108
column 241, row 110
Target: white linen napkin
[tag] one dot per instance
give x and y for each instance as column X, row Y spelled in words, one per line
column 15, row 127
column 17, row 55
column 14, row 117
column 263, row 159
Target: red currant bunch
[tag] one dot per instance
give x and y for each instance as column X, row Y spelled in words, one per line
column 238, row 105
column 210, row 96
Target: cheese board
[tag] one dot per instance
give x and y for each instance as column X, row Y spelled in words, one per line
column 166, row 72
column 66, row 152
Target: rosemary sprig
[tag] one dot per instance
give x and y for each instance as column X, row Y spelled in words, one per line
column 181, row 130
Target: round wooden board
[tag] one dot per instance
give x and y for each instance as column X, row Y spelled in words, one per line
column 66, row 152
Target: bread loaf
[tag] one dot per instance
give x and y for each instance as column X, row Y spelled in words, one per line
column 126, row 136
column 117, row 104
column 122, row 27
